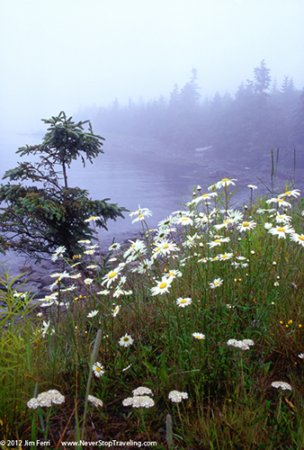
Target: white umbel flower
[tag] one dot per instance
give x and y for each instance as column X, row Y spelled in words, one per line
column 244, row 344
column 46, row 399
column 95, row 401
column 177, row 396
column 139, row 401
column 142, row 390
column 281, row 385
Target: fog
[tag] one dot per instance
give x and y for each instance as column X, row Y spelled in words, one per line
column 69, row 54
column 185, row 92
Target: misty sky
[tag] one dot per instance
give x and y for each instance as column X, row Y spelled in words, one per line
column 68, row 54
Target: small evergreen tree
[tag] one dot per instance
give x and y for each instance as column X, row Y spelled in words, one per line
column 37, row 218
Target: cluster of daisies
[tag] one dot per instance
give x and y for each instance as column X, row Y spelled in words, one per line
column 204, row 232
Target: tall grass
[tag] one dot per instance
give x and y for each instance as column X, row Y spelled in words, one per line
column 233, row 279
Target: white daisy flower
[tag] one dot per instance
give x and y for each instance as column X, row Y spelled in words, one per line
column 92, row 314
column 279, row 201
column 104, row 292
column 224, row 256
column 198, row 336
column 140, row 214
column 58, row 253
column 283, row 218
column 216, row 283
column 164, row 248
column 299, row 238
column 75, row 276
column 111, row 276
column 293, row 193
column 114, row 247
column 223, row 183
column 47, row 329
column 218, row 241
column 115, row 310
column 98, row 369
column 172, row 274
column 281, row 231
column 126, row 340
column 183, row 302
column 184, row 221
column 93, row 267
column 246, row 226
column 136, row 249
column 162, row 287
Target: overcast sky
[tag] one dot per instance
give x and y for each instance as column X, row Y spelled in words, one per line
column 68, row 54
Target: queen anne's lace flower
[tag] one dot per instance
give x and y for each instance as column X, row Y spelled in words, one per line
column 95, row 401
column 142, row 390
column 281, row 385
column 139, row 401
column 46, row 399
column 245, row 344
column 177, row 396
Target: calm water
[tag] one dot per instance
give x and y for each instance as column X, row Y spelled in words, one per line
column 138, row 171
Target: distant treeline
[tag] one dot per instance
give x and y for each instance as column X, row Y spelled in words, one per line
column 261, row 115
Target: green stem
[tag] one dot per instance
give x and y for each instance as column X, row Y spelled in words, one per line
column 92, row 361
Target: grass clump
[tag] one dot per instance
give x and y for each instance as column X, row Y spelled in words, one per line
column 203, row 314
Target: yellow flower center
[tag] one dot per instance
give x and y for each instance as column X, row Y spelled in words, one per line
column 287, row 193
column 112, row 274
column 217, row 241
column 245, row 224
column 183, row 301
column 165, row 246
column 301, row 237
column 281, row 229
column 224, row 180
column 163, row 285
column 126, row 339
column 98, row 369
